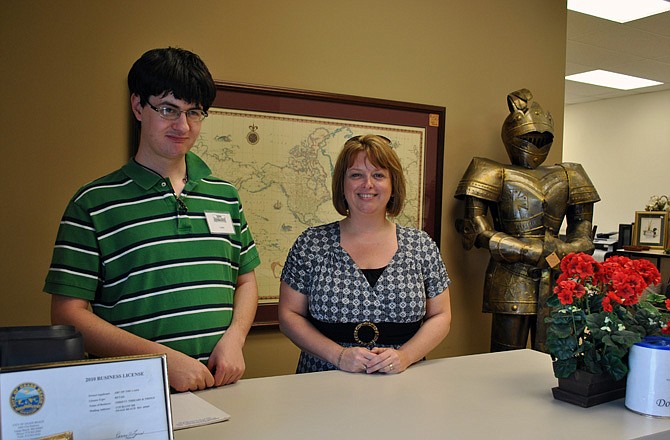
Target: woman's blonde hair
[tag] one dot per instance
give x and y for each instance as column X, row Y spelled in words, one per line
column 379, row 152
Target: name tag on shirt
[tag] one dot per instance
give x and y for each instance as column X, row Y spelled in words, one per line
column 220, row 223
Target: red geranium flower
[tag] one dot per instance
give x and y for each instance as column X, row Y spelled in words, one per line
column 647, row 271
column 607, row 304
column 565, row 290
column 578, row 265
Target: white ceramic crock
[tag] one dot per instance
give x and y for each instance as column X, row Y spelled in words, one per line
column 648, row 383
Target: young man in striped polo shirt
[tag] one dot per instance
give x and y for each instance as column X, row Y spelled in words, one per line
column 157, row 256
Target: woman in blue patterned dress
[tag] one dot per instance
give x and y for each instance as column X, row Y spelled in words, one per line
column 364, row 294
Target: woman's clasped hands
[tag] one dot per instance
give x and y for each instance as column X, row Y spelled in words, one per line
column 374, row 360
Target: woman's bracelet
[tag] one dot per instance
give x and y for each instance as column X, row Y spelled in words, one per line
column 339, row 358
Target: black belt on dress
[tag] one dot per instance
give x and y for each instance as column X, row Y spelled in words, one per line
column 367, row 334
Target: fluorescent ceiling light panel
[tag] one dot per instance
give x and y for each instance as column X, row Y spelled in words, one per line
column 612, row 80
column 620, row 11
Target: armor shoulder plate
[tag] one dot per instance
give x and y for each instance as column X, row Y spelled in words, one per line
column 483, row 179
column 581, row 189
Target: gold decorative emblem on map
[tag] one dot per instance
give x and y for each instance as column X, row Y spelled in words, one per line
column 252, row 136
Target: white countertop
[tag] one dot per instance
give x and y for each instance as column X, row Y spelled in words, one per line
column 493, row 395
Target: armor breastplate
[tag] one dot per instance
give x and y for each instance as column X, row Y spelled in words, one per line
column 532, row 202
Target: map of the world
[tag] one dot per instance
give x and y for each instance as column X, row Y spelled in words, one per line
column 282, row 167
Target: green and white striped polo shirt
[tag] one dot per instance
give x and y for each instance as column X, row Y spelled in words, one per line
column 149, row 263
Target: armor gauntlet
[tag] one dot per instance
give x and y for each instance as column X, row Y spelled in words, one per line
column 474, row 224
column 476, row 229
column 504, row 247
column 579, row 233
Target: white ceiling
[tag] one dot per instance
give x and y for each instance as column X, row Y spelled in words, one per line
column 638, row 48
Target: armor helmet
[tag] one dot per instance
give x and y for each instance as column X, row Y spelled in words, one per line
column 528, row 131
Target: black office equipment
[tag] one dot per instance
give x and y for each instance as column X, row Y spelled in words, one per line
column 625, row 234
column 39, row 344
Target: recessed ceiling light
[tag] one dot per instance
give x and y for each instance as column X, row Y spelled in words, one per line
column 613, row 80
column 621, row 11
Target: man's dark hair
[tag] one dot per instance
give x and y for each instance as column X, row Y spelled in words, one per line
column 160, row 72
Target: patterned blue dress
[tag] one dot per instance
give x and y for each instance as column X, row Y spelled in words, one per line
column 337, row 290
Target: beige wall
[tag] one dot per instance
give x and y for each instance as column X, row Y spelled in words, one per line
column 624, row 146
column 65, row 105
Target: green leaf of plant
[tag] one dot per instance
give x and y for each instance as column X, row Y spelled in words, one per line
column 625, row 339
column 564, row 348
column 564, row 368
column 614, row 366
column 591, row 360
column 559, row 331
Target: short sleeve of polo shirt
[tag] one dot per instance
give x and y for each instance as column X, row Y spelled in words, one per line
column 75, row 264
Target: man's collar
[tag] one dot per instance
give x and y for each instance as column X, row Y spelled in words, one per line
column 147, row 178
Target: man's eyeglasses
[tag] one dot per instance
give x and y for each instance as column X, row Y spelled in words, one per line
column 173, row 113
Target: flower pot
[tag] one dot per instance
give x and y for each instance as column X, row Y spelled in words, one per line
column 587, row 389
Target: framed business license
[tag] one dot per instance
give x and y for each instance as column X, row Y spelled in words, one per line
column 650, row 229
column 279, row 146
column 108, row 398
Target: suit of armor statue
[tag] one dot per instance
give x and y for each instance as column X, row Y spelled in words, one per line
column 527, row 204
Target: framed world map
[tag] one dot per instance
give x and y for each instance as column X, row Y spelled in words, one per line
column 278, row 146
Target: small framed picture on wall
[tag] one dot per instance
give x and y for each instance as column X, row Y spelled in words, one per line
column 651, row 229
